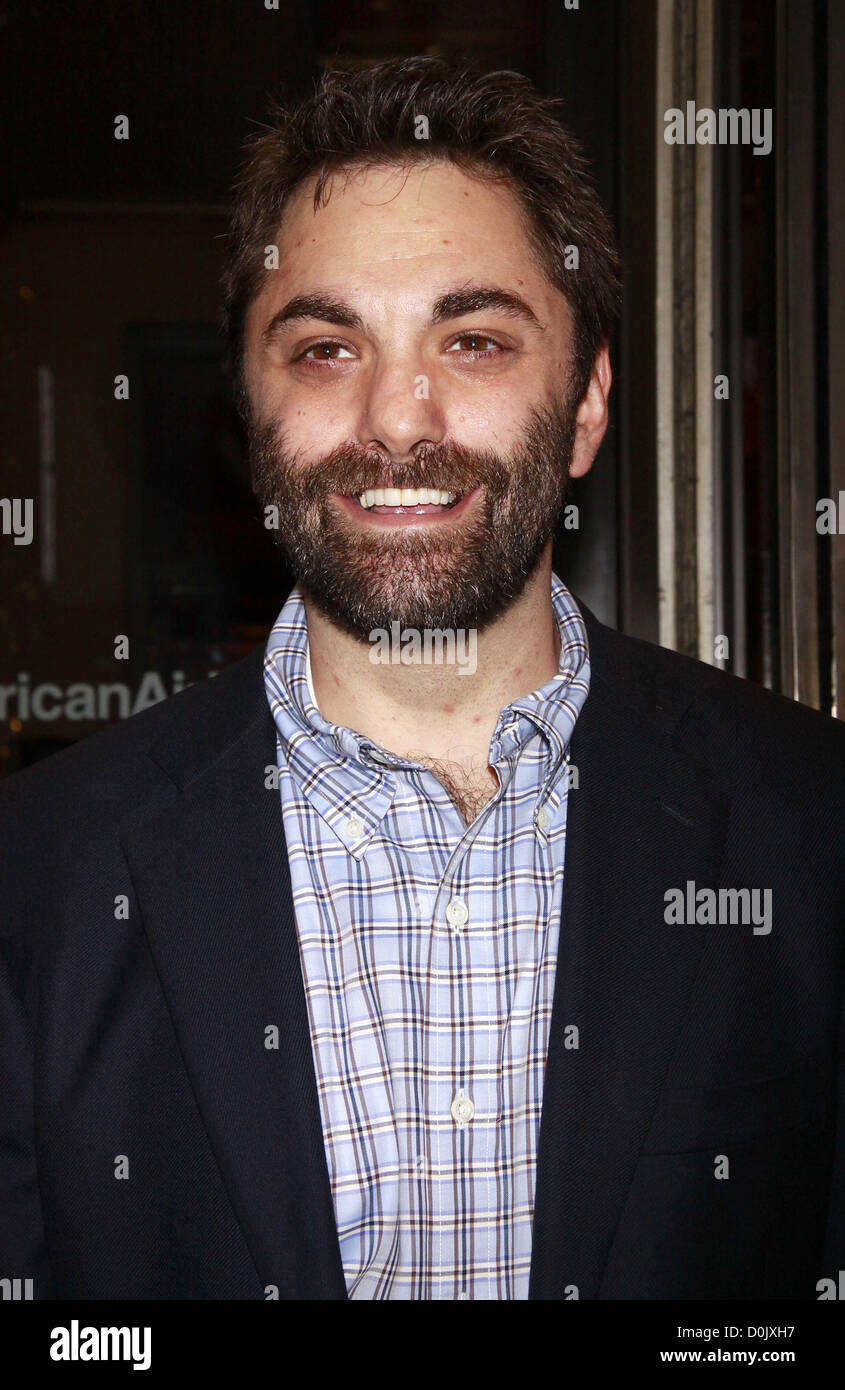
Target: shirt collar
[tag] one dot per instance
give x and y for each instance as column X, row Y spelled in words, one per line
column 349, row 779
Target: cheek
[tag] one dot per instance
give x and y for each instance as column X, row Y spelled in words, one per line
column 308, row 422
column 497, row 428
column 312, row 431
column 493, row 414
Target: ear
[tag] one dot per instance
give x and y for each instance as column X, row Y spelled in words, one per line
column 591, row 416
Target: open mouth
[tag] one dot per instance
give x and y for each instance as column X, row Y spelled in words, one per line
column 408, row 499
column 392, row 506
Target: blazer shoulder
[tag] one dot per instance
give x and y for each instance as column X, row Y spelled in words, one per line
column 735, row 715
column 114, row 764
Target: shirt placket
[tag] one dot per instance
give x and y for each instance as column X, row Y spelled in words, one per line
column 467, row 1090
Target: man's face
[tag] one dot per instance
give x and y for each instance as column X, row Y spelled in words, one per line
column 369, row 366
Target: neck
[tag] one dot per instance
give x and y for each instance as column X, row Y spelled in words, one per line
column 441, row 712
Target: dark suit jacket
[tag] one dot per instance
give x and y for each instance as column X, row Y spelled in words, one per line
column 144, row 1037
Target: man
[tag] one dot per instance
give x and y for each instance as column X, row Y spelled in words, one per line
column 504, row 978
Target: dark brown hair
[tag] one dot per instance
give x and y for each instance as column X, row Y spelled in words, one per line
column 494, row 124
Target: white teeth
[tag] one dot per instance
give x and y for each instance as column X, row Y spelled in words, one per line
column 405, row 497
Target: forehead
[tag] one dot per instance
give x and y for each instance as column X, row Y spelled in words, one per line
column 398, row 230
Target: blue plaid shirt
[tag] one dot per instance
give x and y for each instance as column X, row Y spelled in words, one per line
column 428, row 953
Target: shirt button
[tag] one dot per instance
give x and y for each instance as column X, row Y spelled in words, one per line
column 543, row 818
column 462, row 1109
column 355, row 827
column 457, row 913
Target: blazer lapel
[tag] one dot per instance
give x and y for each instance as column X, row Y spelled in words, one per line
column 646, row 816
column 213, row 882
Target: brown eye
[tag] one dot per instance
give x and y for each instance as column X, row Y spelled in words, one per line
column 476, row 343
column 326, row 352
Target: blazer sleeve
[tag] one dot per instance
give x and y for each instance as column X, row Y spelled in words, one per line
column 23, row 1249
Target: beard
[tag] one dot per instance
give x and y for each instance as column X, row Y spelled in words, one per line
column 459, row 575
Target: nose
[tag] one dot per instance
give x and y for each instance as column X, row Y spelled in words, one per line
column 400, row 411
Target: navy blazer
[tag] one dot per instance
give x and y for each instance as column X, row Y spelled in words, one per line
column 136, row 1044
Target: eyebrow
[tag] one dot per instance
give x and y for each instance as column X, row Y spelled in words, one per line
column 314, row 306
column 469, row 300
column 476, row 300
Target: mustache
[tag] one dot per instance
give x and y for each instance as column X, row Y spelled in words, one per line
column 351, row 469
